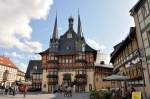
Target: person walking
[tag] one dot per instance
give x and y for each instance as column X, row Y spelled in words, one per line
column 25, row 89
column 14, row 89
column 69, row 91
column 65, row 91
column 6, row 90
column 3, row 89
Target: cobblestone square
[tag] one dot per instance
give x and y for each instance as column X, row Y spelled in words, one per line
column 45, row 96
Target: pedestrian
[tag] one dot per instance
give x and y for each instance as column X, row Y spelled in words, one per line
column 25, row 89
column 3, row 89
column 123, row 96
column 6, row 90
column 118, row 93
column 14, row 89
column 69, row 91
column 128, row 94
column 113, row 94
column 61, row 89
column 65, row 91
column 10, row 90
column 131, row 91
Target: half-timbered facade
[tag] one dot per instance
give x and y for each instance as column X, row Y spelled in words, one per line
column 141, row 15
column 69, row 61
column 126, row 60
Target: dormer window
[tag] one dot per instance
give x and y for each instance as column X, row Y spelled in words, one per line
column 67, row 48
column 83, row 47
column 69, row 35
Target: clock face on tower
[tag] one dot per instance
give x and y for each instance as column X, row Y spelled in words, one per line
column 69, row 35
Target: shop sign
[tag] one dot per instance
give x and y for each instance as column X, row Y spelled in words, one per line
column 136, row 95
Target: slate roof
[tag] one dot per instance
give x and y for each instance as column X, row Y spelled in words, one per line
column 44, row 52
column 137, row 6
column 119, row 46
column 65, row 43
column 31, row 67
column 71, row 45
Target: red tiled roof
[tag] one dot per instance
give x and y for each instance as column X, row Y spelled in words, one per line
column 7, row 62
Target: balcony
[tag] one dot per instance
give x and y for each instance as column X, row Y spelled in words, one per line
column 53, row 61
column 52, row 76
column 52, row 81
column 81, row 81
column 81, row 60
column 80, row 76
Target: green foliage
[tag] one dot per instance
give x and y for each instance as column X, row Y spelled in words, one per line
column 100, row 95
column 94, row 95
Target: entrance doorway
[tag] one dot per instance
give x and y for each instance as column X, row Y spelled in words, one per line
column 67, row 79
column 51, row 88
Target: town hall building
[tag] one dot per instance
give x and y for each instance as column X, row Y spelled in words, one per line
column 69, row 60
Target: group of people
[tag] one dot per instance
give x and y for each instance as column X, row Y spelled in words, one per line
column 14, row 89
column 11, row 90
column 122, row 94
column 66, row 90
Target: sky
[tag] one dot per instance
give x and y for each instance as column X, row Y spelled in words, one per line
column 27, row 25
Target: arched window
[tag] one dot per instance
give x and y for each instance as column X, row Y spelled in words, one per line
column 90, row 87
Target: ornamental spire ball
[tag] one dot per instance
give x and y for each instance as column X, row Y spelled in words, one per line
column 70, row 23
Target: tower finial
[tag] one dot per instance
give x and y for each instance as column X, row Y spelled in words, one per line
column 55, row 30
column 79, row 33
column 70, row 23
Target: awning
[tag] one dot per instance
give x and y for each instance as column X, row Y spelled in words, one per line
column 67, row 76
column 25, row 82
column 116, row 78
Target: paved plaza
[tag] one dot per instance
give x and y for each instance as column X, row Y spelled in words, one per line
column 46, row 96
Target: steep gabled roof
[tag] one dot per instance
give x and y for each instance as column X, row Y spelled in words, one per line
column 70, row 42
column 137, row 6
column 7, row 62
column 44, row 52
column 119, row 46
column 31, row 67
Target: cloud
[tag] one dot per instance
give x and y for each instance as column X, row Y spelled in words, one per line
column 14, row 55
column 34, row 57
column 95, row 45
column 22, row 67
column 15, row 18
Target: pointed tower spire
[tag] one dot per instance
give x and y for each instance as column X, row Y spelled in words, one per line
column 79, row 33
column 55, row 31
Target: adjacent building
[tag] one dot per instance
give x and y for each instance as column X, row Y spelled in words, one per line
column 9, row 73
column 126, row 60
column 102, row 58
column 141, row 15
column 20, row 75
column 34, row 74
column 101, row 71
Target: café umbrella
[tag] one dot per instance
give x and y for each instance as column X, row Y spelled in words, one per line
column 116, row 78
column 25, row 82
